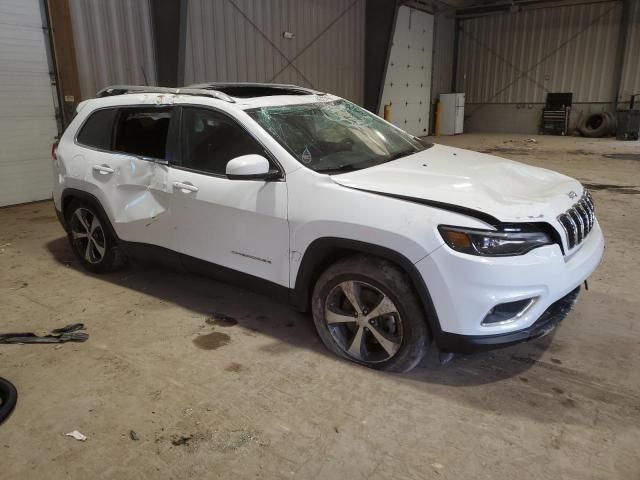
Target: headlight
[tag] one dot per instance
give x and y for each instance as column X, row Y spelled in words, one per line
column 508, row 240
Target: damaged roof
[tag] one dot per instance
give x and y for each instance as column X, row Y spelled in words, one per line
column 243, row 95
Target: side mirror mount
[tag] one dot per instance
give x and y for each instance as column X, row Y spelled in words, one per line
column 250, row 167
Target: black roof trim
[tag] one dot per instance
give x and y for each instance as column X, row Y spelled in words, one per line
column 251, row 89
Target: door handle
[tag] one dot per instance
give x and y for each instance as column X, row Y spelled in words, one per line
column 188, row 187
column 103, row 169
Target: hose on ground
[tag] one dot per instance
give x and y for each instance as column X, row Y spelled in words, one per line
column 8, row 399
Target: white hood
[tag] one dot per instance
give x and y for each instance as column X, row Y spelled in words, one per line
column 507, row 190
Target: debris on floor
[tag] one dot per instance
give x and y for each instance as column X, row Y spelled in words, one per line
column 181, row 440
column 133, row 435
column 77, row 435
column 69, row 333
column 445, row 357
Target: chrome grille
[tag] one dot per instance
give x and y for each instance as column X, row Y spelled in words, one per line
column 578, row 220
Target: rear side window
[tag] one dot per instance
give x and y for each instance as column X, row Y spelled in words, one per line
column 143, row 131
column 97, row 131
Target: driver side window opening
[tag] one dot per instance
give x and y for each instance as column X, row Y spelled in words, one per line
column 210, row 139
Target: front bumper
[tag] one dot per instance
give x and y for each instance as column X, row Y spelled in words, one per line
column 548, row 321
column 465, row 288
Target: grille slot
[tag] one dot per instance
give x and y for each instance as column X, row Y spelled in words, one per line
column 578, row 221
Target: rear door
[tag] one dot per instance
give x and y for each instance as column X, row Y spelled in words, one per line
column 237, row 224
column 123, row 162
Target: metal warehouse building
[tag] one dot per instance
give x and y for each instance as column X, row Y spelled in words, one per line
column 506, row 58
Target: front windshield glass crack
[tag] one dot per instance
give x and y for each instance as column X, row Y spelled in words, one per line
column 334, row 137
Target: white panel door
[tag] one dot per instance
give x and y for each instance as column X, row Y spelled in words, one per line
column 407, row 86
column 27, row 116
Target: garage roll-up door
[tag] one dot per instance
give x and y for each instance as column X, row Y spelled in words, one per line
column 27, row 115
column 407, row 84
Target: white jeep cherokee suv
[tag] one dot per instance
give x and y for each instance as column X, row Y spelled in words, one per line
column 389, row 241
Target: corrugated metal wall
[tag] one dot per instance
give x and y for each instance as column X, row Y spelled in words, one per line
column 114, row 43
column 242, row 40
column 631, row 72
column 445, row 25
column 509, row 62
column 519, row 57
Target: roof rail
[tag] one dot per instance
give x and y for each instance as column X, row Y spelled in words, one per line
column 221, row 86
column 124, row 89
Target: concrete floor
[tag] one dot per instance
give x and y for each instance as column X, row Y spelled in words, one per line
column 261, row 398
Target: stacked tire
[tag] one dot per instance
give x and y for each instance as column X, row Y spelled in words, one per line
column 598, row 125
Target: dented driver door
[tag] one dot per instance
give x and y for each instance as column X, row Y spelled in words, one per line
column 141, row 210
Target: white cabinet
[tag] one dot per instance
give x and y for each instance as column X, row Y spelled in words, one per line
column 452, row 113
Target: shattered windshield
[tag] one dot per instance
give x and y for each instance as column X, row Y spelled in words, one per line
column 335, row 137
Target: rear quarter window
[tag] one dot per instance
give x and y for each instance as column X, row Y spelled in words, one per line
column 97, row 131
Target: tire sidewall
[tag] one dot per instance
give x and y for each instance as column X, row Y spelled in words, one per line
column 107, row 260
column 415, row 337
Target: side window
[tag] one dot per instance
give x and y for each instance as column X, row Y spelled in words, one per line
column 143, row 131
column 210, row 139
column 97, row 131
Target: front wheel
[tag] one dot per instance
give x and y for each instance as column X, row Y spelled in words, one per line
column 365, row 310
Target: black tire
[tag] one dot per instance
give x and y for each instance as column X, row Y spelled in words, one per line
column 103, row 254
column 595, row 125
column 378, row 281
column 8, row 399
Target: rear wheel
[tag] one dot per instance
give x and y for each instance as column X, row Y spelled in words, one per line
column 365, row 310
column 90, row 239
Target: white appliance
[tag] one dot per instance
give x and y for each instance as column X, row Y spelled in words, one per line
column 452, row 113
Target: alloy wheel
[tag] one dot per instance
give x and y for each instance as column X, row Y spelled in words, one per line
column 363, row 321
column 88, row 235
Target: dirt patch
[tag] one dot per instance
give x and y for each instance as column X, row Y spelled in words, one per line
column 221, row 441
column 506, row 151
column 581, row 153
column 235, row 367
column 625, row 189
column 221, row 320
column 42, row 219
column 212, row 341
column 623, row 156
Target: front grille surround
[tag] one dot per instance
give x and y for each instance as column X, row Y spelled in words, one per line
column 578, row 221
